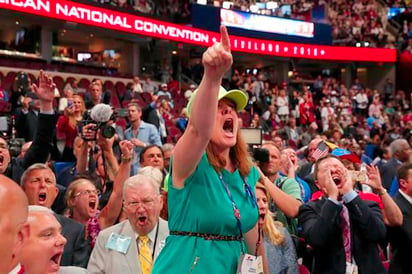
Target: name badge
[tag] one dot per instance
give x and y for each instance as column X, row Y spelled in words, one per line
column 249, row 264
column 118, row 243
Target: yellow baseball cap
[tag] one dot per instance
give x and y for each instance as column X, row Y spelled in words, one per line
column 239, row 97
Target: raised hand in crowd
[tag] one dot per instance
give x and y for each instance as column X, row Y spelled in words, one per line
column 45, row 91
column 391, row 211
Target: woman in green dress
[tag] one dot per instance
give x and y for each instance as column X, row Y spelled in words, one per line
column 212, row 204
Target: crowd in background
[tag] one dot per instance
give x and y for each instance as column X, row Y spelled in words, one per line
column 362, row 122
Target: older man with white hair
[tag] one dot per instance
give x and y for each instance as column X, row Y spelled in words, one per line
column 132, row 245
column 401, row 151
column 44, row 248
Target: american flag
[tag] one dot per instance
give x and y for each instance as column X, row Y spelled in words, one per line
column 320, row 151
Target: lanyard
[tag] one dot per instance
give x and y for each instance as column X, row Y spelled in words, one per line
column 236, row 211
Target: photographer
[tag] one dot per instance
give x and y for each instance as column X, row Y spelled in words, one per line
column 41, row 146
column 285, row 192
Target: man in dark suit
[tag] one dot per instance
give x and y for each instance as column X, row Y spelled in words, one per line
column 42, row 143
column 400, row 154
column 400, row 237
column 39, row 184
column 26, row 118
column 343, row 230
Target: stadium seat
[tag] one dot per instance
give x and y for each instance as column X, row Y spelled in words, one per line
column 147, row 97
column 108, row 85
column 84, row 83
column 59, row 81
column 120, row 88
column 115, row 100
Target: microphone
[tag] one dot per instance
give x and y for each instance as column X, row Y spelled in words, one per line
column 101, row 113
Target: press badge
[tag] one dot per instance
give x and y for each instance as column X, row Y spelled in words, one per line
column 351, row 268
column 118, row 243
column 249, row 264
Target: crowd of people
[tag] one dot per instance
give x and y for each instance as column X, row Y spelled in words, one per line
column 331, row 184
column 178, row 11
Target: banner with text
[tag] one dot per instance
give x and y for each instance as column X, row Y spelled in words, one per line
column 121, row 21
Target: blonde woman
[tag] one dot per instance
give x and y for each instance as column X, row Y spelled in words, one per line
column 279, row 247
column 66, row 126
column 82, row 198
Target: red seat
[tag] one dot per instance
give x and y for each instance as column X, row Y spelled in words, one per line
column 121, row 89
column 108, row 85
column 115, row 101
column 59, row 81
column 147, row 97
column 84, row 83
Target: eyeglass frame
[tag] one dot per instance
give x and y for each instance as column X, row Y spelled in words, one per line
column 133, row 205
column 87, row 192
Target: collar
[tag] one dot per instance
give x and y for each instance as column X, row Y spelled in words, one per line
column 406, row 196
column 19, row 269
column 151, row 235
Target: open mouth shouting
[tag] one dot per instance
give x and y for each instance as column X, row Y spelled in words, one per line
column 337, row 179
column 261, row 219
column 228, row 126
column 142, row 220
column 54, row 263
column 42, row 197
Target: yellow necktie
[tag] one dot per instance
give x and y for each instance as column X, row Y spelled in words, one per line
column 145, row 255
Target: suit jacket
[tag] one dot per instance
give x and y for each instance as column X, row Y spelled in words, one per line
column 149, row 115
column 39, row 150
column 400, row 238
column 104, row 260
column 26, row 124
column 388, row 171
column 77, row 249
column 320, row 222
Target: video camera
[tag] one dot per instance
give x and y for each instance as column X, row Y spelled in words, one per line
column 253, row 136
column 100, row 115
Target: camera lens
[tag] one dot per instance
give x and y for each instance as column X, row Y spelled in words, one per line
column 107, row 132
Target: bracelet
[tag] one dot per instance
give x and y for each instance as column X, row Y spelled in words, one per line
column 382, row 192
column 127, row 158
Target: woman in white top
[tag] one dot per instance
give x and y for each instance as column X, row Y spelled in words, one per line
column 282, row 103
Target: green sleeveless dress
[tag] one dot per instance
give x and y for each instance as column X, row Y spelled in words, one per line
column 203, row 206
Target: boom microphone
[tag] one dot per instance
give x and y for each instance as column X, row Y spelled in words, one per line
column 101, row 113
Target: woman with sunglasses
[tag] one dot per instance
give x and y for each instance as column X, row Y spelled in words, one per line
column 82, row 198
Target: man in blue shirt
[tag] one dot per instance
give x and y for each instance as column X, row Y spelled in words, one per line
column 141, row 134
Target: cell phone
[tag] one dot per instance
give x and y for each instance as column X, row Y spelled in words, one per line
column 70, row 104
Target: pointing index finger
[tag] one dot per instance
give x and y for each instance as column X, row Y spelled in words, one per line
column 224, row 38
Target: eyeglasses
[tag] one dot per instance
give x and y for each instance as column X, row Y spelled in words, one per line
column 133, row 205
column 87, row 192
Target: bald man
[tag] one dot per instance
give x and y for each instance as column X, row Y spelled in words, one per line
column 14, row 229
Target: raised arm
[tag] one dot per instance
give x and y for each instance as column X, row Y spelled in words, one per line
column 40, row 149
column 391, row 212
column 113, row 208
column 188, row 152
